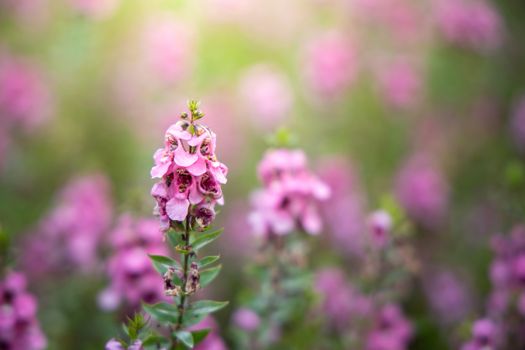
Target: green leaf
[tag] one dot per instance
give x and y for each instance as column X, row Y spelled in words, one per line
column 205, row 307
column 204, row 239
column 154, row 341
column 175, row 238
column 185, row 337
column 161, row 263
column 200, row 335
column 208, row 275
column 208, row 260
column 162, row 312
column 189, row 319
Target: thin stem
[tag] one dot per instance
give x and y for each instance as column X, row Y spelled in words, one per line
column 185, row 264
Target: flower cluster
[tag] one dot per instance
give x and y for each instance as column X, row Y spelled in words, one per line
column 19, row 328
column 133, row 278
column 71, row 233
column 191, row 176
column 289, row 199
column 470, row 23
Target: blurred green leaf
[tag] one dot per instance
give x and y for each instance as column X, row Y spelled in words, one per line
column 208, row 275
column 204, row 239
column 185, row 337
column 162, row 312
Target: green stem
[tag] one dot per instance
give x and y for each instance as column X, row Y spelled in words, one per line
column 185, row 263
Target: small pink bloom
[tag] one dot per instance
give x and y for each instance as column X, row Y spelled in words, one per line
column 400, row 84
column 380, row 224
column 246, row 319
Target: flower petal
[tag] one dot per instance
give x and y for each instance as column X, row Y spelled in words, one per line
column 183, row 158
column 177, row 209
column 198, row 168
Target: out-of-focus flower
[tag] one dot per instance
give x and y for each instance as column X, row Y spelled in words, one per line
column 116, row 345
column 213, row 341
column 97, row 9
column 266, row 94
column 191, row 176
column 70, row 235
column 132, row 276
column 448, row 296
column 517, row 123
column 469, row 23
column 484, row 336
column 168, row 47
column 288, row 201
column 344, row 212
column 340, row 302
column 379, row 226
column 400, row 84
column 422, row 191
column 392, row 331
column 19, row 327
column 24, row 94
column 330, row 64
column 246, row 319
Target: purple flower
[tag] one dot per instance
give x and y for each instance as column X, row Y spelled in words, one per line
column 391, row 331
column 132, row 277
column 19, row 328
column 422, row 191
column 288, row 201
column 484, row 335
column 380, row 224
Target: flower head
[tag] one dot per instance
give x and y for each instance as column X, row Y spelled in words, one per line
column 191, row 176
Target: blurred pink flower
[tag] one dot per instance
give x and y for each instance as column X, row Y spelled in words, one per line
column 517, row 123
column 169, row 49
column 24, row 94
column 97, row 9
column 70, row 235
column 19, row 327
column 448, row 296
column 344, row 213
column 330, row 64
column 392, row 331
column 484, row 335
column 400, row 84
column 290, row 196
column 266, row 95
column 469, row 23
column 379, row 226
column 132, row 276
column 246, row 319
column 341, row 303
column 422, row 191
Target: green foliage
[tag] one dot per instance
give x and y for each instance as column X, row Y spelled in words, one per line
column 185, row 337
column 162, row 263
column 208, row 275
column 203, row 239
column 208, row 260
column 162, row 312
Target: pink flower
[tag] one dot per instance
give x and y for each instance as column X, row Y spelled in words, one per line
column 400, row 84
column 469, row 23
column 422, row 191
column 288, row 201
column 24, row 94
column 70, row 235
column 19, row 328
column 246, row 319
column 132, row 276
column 116, row 345
column 267, row 95
column 380, row 224
column 191, row 176
column 392, row 331
column 344, row 212
column 330, row 65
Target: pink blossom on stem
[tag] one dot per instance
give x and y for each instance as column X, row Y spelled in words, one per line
column 400, row 84
column 391, row 331
column 19, row 327
column 379, row 226
column 290, row 196
column 191, row 176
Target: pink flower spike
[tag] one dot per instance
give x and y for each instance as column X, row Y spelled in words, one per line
column 159, row 190
column 219, row 171
column 195, row 196
column 311, row 220
column 197, row 140
column 177, row 132
column 177, row 209
column 162, row 164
